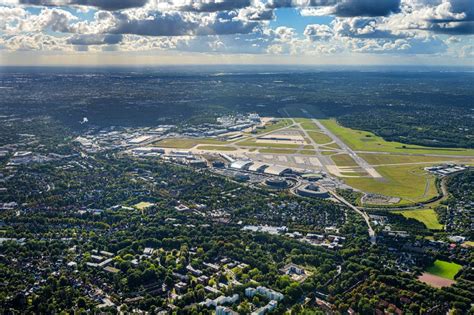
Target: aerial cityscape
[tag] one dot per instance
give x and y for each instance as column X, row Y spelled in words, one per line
column 236, row 157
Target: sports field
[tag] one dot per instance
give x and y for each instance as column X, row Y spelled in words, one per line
column 444, row 269
column 426, row 216
column 366, row 141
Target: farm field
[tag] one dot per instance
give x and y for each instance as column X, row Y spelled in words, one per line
column 444, row 269
column 360, row 140
column 426, row 216
column 408, row 182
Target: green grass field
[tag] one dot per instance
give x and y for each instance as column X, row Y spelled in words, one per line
column 319, row 137
column 253, row 143
column 380, row 159
column 307, row 124
column 143, row 205
column 185, row 143
column 444, row 269
column 272, row 126
column 426, row 216
column 216, row 148
column 331, row 146
column 343, row 160
column 277, row 151
column 366, row 141
column 408, row 182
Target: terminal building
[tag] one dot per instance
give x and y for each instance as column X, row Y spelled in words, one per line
column 276, row 183
column 258, row 167
column 240, row 164
column 277, row 170
column 312, row 190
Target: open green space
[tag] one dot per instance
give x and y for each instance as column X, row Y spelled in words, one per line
column 343, row 160
column 277, row 151
column 444, row 269
column 307, row 124
column 319, row 137
column 355, row 174
column 426, row 216
column 408, row 182
column 274, row 125
column 185, row 143
column 331, row 146
column 367, row 141
column 253, row 143
column 143, row 205
column 216, row 148
column 380, row 159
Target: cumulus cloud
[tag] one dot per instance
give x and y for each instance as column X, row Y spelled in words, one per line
column 95, row 39
column 239, row 26
column 318, row 32
column 176, row 23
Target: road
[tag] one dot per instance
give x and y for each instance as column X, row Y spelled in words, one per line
column 364, row 215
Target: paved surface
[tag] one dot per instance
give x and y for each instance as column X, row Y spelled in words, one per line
column 360, row 161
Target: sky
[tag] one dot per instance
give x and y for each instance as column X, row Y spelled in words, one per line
column 181, row 32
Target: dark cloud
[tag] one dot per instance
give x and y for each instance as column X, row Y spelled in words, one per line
column 214, row 6
column 110, row 5
column 453, row 28
column 300, row 3
column 344, row 8
column 350, row 8
column 95, row 39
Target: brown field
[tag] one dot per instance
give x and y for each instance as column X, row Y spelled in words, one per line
column 435, row 281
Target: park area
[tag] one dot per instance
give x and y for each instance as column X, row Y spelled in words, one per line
column 440, row 274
